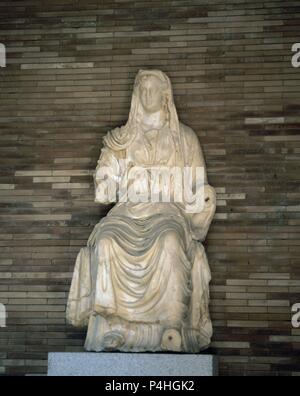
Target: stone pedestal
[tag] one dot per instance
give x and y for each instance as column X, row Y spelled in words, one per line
column 130, row 364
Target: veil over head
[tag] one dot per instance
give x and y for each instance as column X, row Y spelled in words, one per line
column 121, row 138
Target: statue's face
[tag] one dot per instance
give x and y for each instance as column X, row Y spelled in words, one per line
column 151, row 94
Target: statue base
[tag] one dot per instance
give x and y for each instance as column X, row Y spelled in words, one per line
column 130, row 364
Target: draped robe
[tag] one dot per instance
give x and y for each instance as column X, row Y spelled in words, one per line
column 142, row 281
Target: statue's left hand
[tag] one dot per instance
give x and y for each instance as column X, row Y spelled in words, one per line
column 200, row 222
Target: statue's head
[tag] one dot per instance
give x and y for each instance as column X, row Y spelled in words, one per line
column 152, row 93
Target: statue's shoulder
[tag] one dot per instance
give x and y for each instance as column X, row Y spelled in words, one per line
column 118, row 138
column 188, row 133
column 113, row 133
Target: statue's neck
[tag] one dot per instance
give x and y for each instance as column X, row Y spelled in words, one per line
column 153, row 121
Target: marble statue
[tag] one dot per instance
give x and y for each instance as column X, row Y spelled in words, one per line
column 142, row 281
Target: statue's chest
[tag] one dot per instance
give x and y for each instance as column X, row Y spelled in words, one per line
column 152, row 148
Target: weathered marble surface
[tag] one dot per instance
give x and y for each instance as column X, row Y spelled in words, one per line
column 142, row 282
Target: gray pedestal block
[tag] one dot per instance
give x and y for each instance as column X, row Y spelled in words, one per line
column 130, row 364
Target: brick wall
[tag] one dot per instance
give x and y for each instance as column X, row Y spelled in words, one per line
column 68, row 80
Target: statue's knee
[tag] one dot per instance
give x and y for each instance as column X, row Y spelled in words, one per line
column 103, row 242
column 171, row 239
